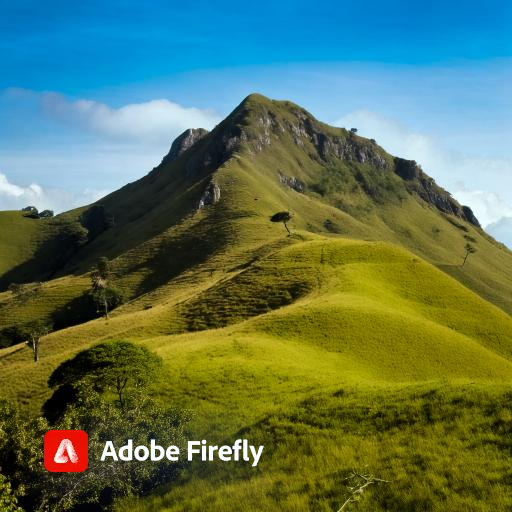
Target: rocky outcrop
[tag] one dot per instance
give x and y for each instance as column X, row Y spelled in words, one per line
column 423, row 185
column 184, row 142
column 292, row 182
column 211, row 195
column 470, row 216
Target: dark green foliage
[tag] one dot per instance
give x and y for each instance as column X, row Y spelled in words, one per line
column 21, row 453
column 283, row 217
column 31, row 212
column 330, row 226
column 103, row 269
column 381, row 187
column 8, row 499
column 56, row 406
column 118, row 366
column 75, row 234
column 335, row 181
column 11, row 335
column 105, row 296
column 458, row 225
column 80, row 402
column 46, row 214
column 97, row 219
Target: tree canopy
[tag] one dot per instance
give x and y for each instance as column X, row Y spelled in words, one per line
column 117, row 366
column 283, row 217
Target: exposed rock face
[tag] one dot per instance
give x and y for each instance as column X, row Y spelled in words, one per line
column 470, row 216
column 211, row 195
column 292, row 182
column 257, row 122
column 183, row 142
column 425, row 186
column 219, row 148
column 255, row 125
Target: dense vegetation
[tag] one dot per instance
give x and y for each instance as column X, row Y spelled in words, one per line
column 91, row 379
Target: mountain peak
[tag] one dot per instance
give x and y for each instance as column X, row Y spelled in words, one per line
column 184, row 142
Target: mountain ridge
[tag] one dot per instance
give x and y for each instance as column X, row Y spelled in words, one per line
column 213, row 194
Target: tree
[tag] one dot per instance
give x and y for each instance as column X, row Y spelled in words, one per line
column 353, row 130
column 94, row 490
column 469, row 250
column 97, row 219
column 46, row 214
column 117, row 366
column 283, row 217
column 104, row 295
column 8, row 499
column 31, row 212
column 33, row 332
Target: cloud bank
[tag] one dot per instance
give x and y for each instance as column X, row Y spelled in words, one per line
column 126, row 143
column 152, row 121
column 471, row 179
column 15, row 197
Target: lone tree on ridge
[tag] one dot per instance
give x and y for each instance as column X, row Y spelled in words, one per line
column 283, row 217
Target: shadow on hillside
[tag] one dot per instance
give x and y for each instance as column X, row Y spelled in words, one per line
column 77, row 311
column 49, row 258
column 190, row 249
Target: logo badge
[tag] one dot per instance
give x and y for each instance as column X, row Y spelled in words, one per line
column 66, row 451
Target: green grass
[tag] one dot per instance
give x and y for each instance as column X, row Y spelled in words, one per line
column 440, row 448
column 424, row 365
column 356, row 342
column 20, row 238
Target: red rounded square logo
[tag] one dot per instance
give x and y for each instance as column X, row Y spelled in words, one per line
column 65, row 451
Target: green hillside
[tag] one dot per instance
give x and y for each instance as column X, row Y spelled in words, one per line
column 358, row 341
column 265, row 157
column 372, row 320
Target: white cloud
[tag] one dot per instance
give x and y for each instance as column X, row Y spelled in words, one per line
column 14, row 191
column 153, row 121
column 484, row 184
column 502, row 230
column 15, row 197
column 491, row 207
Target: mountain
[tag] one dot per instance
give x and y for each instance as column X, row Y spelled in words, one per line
column 359, row 339
column 210, row 199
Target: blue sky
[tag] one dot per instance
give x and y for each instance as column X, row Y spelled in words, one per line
column 92, row 93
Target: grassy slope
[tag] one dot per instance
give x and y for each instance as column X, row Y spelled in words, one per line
column 156, row 239
column 21, row 238
column 375, row 322
column 294, row 319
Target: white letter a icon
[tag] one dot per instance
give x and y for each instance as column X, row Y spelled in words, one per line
column 65, row 446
